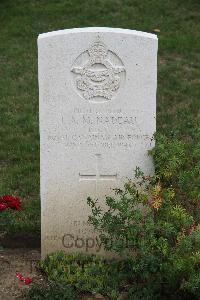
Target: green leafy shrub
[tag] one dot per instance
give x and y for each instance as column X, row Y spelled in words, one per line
column 50, row 291
column 157, row 237
column 169, row 157
column 177, row 163
column 153, row 226
column 87, row 273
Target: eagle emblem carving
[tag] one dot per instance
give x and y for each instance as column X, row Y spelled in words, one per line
column 98, row 73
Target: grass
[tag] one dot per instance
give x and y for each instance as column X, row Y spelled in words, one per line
column 21, row 22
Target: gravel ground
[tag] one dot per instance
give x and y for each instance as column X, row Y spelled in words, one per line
column 17, row 260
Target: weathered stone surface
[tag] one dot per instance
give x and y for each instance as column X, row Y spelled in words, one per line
column 97, row 89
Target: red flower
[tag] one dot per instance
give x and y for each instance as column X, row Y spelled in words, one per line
column 26, row 280
column 11, row 202
column 3, row 206
column 19, row 276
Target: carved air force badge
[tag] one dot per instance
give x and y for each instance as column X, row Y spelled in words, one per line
column 98, row 73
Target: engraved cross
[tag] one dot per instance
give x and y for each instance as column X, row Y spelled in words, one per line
column 98, row 176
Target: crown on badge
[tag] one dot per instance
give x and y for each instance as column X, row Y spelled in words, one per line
column 98, row 51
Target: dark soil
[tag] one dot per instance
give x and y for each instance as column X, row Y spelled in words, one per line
column 20, row 240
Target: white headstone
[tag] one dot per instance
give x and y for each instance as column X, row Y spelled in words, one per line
column 97, row 89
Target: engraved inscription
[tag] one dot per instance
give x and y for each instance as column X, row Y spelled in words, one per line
column 98, row 73
column 127, row 129
column 96, row 140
